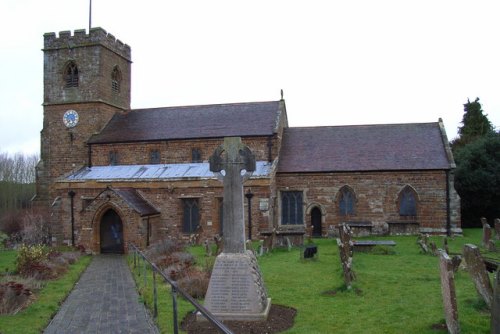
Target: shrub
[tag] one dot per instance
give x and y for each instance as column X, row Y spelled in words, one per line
column 30, row 258
column 194, row 282
column 162, row 248
column 13, row 297
column 35, row 228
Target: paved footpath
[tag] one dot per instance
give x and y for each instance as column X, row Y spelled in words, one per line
column 103, row 301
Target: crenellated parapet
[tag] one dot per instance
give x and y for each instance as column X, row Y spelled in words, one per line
column 80, row 38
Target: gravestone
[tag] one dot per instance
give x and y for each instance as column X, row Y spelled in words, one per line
column 477, row 270
column 345, row 244
column 495, row 307
column 236, row 290
column 486, row 234
column 448, row 291
column 497, row 228
column 208, row 247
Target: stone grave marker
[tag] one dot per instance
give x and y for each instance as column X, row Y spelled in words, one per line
column 477, row 270
column 345, row 244
column 497, row 228
column 486, row 234
column 236, row 290
column 495, row 307
column 208, row 247
column 448, row 291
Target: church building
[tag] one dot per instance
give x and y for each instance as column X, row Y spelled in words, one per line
column 111, row 175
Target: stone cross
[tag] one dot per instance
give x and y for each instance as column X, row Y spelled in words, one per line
column 233, row 157
column 448, row 291
column 345, row 245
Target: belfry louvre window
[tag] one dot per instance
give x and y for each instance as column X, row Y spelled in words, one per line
column 291, row 208
column 195, row 155
column 113, row 158
column 154, row 157
column 191, row 218
column 71, row 75
column 116, row 79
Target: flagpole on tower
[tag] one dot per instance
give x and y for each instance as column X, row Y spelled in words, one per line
column 90, row 15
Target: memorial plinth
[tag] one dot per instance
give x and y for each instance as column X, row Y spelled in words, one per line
column 236, row 290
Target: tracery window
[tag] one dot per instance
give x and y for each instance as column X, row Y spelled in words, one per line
column 71, row 75
column 407, row 202
column 191, row 219
column 292, row 208
column 347, row 201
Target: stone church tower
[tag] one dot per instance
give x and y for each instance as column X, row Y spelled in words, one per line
column 86, row 81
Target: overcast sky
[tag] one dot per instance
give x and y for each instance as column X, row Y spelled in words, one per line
column 338, row 62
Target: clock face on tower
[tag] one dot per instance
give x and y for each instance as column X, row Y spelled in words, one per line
column 70, row 118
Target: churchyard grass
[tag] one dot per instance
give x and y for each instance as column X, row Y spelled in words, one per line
column 47, row 301
column 398, row 293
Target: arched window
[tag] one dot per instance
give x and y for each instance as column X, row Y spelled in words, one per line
column 407, row 202
column 347, row 201
column 116, row 79
column 71, row 75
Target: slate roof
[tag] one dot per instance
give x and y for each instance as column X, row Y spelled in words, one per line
column 157, row 172
column 136, row 201
column 188, row 122
column 363, row 148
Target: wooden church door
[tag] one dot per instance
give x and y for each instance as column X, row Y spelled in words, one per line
column 111, row 233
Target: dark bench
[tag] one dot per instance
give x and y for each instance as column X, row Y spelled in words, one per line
column 367, row 245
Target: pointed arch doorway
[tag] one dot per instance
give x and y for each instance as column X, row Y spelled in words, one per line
column 111, row 233
column 316, row 222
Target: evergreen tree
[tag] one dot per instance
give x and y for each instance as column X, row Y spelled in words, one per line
column 475, row 125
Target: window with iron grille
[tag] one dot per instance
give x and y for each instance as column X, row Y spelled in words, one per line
column 71, row 75
column 191, row 218
column 346, row 201
column 291, row 208
column 407, row 203
column 113, row 158
column 154, row 157
column 116, row 79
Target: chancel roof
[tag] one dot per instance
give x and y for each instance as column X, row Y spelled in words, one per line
column 417, row 146
column 188, row 122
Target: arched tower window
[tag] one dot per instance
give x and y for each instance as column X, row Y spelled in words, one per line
column 347, row 201
column 116, row 79
column 407, row 202
column 71, row 75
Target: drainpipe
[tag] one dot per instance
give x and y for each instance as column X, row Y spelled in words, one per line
column 249, row 196
column 72, row 194
column 448, row 213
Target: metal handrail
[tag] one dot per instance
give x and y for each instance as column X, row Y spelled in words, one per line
column 174, row 290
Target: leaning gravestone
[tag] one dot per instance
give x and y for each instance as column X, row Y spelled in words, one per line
column 495, row 307
column 477, row 270
column 236, row 290
column 346, row 245
column 497, row 228
column 448, row 291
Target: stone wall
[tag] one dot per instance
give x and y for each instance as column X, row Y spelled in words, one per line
column 376, row 197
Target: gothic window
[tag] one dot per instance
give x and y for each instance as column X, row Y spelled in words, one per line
column 113, row 158
column 191, row 219
column 291, row 208
column 154, row 157
column 71, row 75
column 116, row 79
column 347, row 201
column 195, row 155
column 407, row 202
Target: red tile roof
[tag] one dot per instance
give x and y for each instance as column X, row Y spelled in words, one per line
column 363, row 148
column 205, row 121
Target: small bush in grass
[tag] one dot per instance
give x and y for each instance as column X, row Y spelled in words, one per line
column 195, row 282
column 30, row 258
column 13, row 297
column 162, row 248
